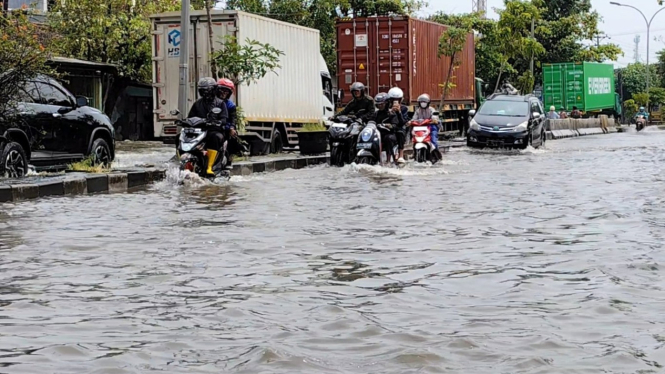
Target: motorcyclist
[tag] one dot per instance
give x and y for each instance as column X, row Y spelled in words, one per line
column 225, row 89
column 424, row 111
column 643, row 112
column 360, row 101
column 389, row 118
column 201, row 108
column 395, row 96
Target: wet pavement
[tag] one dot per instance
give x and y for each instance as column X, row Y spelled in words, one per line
column 536, row 261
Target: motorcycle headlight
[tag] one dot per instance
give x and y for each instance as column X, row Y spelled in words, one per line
column 521, row 127
column 474, row 125
column 366, row 135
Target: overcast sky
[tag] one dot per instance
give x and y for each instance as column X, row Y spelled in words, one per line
column 620, row 23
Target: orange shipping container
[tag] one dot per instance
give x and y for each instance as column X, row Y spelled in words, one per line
column 386, row 52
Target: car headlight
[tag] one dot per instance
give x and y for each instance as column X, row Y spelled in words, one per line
column 521, row 127
column 474, row 125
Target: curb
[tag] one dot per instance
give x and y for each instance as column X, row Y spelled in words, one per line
column 126, row 181
column 86, row 185
column 562, row 134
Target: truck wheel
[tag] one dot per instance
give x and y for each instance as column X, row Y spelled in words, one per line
column 276, row 144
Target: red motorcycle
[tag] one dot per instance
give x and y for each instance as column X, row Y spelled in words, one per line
column 421, row 136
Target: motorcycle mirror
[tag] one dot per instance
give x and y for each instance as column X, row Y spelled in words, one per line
column 174, row 112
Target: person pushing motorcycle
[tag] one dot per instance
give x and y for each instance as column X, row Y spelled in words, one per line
column 201, row 108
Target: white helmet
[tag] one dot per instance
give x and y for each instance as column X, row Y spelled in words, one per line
column 395, row 93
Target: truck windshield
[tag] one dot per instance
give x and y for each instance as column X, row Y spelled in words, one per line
column 504, row 108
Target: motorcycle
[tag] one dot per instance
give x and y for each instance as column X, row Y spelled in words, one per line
column 191, row 147
column 640, row 122
column 343, row 137
column 423, row 148
column 369, row 144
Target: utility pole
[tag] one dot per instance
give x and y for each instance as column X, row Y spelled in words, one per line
column 184, row 59
column 533, row 36
column 600, row 37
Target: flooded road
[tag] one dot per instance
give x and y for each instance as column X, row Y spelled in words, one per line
column 542, row 261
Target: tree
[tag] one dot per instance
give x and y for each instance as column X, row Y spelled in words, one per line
column 489, row 58
column 110, row 31
column 514, row 33
column 641, row 98
column 451, row 44
column 657, row 95
column 245, row 63
column 630, row 107
column 22, row 56
column 565, row 25
column 634, row 78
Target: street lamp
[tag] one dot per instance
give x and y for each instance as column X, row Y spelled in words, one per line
column 648, row 37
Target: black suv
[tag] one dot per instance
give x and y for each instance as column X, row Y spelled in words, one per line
column 52, row 128
column 507, row 121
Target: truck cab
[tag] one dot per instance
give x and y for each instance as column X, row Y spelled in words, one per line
column 328, row 97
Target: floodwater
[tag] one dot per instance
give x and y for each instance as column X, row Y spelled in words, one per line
column 541, row 261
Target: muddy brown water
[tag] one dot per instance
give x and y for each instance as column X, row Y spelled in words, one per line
column 542, row 261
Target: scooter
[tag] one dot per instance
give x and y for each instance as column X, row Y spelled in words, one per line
column 343, row 137
column 640, row 122
column 423, row 148
column 369, row 144
column 191, row 148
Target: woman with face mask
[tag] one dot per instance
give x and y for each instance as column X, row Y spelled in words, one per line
column 424, row 111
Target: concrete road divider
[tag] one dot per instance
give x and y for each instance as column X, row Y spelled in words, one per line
column 570, row 127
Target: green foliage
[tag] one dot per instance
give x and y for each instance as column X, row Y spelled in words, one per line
column 634, row 78
column 22, row 56
column 451, row 44
column 657, row 95
column 245, row 63
column 88, row 165
column 641, row 98
column 525, row 82
column 110, row 31
column 321, row 15
column 630, row 108
column 241, row 121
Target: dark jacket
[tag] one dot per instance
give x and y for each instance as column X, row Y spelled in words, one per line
column 231, row 107
column 202, row 107
column 365, row 102
column 380, row 115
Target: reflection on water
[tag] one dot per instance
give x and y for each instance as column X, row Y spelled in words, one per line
column 535, row 261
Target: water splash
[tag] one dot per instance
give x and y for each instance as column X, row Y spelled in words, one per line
column 410, row 169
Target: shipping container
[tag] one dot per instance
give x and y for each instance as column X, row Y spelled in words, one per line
column 587, row 85
column 386, row 52
column 276, row 105
column 400, row 51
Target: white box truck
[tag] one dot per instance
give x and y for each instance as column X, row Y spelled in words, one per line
column 276, row 106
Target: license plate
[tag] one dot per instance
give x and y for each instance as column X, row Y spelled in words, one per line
column 364, row 145
column 496, row 143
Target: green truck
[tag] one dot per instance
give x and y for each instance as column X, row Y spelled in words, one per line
column 587, row 85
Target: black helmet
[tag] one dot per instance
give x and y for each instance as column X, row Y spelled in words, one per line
column 380, row 100
column 358, row 87
column 207, row 88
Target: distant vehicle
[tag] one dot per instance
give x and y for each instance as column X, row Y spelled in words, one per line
column 507, row 121
column 52, row 128
column 640, row 122
column 587, row 85
column 401, row 51
column 276, row 106
column 423, row 147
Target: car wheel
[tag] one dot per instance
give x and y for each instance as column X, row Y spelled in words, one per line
column 101, row 153
column 13, row 161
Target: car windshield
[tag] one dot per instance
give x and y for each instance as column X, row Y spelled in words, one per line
column 504, row 108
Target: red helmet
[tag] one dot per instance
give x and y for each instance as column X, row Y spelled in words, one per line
column 226, row 83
